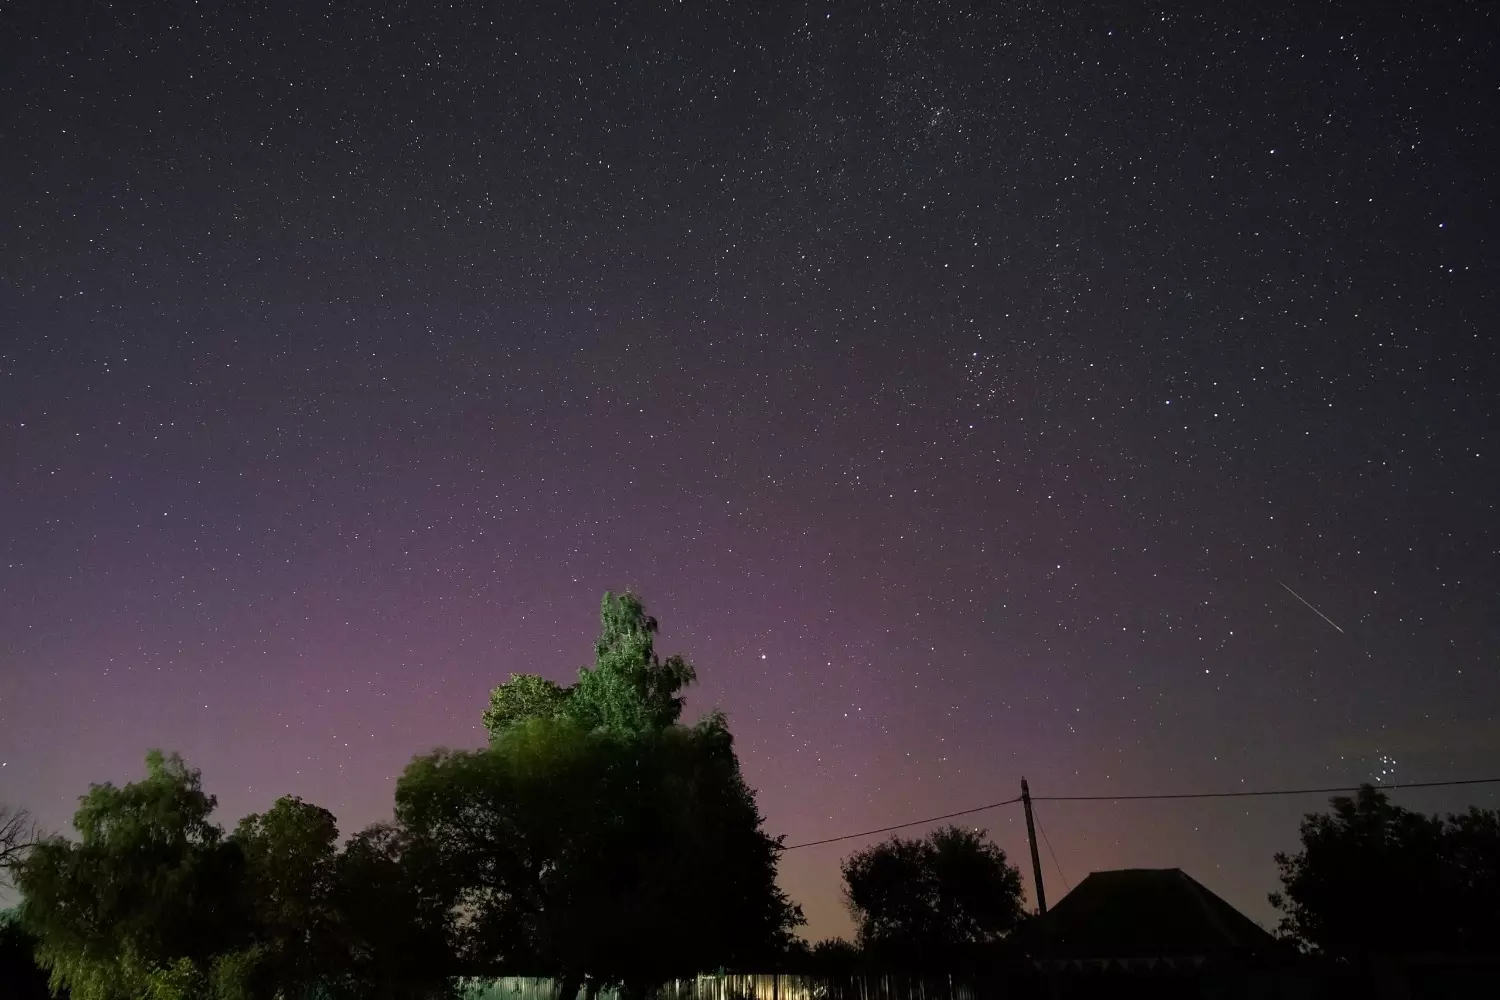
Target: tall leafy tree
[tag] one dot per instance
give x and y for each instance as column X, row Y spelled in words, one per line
column 596, row 837
column 145, row 899
column 153, row 901
column 629, row 688
column 1375, row 878
column 392, row 932
column 331, row 924
column 932, row 900
column 290, row 855
column 507, row 826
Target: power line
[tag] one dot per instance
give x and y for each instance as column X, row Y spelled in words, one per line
column 1258, row 793
column 903, row 826
column 1048, row 841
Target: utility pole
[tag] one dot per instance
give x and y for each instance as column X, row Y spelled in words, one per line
column 1036, row 859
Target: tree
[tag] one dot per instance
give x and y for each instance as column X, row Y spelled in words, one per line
column 1471, row 854
column 23, row 978
column 17, row 834
column 290, row 855
column 330, row 923
column 623, row 858
column 596, row 837
column 153, row 901
column 145, row 899
column 629, row 687
column 1377, row 878
column 393, row 932
column 933, row 900
column 833, row 957
column 828, row 958
column 524, row 696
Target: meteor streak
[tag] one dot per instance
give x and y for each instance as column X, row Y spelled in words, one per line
column 1315, row 611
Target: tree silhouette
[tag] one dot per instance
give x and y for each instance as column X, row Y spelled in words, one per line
column 22, row 977
column 1375, row 878
column 290, row 854
column 154, row 901
column 17, row 834
column 596, row 838
column 145, row 899
column 833, row 957
column 934, row 900
column 391, row 933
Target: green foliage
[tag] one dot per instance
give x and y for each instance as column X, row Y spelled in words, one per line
column 523, row 697
column 150, row 884
column 506, row 825
column 595, row 839
column 554, row 829
column 932, row 900
column 290, row 854
column 152, row 901
column 1374, row 878
column 629, row 688
column 177, row 980
column 331, row 924
column 572, row 818
column 240, row 975
column 393, row 928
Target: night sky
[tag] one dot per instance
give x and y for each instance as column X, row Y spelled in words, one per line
column 966, row 388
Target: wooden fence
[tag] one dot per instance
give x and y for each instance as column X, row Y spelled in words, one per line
column 747, row 987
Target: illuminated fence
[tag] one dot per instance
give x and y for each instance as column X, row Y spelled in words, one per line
column 745, row 987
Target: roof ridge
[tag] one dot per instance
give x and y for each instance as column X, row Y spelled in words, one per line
column 1202, row 895
column 1126, row 908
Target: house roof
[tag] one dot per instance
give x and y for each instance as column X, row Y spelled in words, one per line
column 1148, row 913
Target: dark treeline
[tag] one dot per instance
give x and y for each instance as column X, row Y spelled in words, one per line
column 599, row 842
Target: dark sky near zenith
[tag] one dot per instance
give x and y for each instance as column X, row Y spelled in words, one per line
column 966, row 387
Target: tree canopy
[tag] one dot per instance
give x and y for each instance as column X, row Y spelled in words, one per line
column 523, row 697
column 596, row 836
column 392, row 941
column 934, row 899
column 144, row 896
column 290, row 854
column 152, row 900
column 1373, row 877
column 629, row 688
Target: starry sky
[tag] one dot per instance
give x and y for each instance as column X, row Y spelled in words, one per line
column 967, row 388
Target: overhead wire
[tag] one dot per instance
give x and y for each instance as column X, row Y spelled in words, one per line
column 1067, row 887
column 903, row 826
column 1258, row 793
column 1163, row 796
